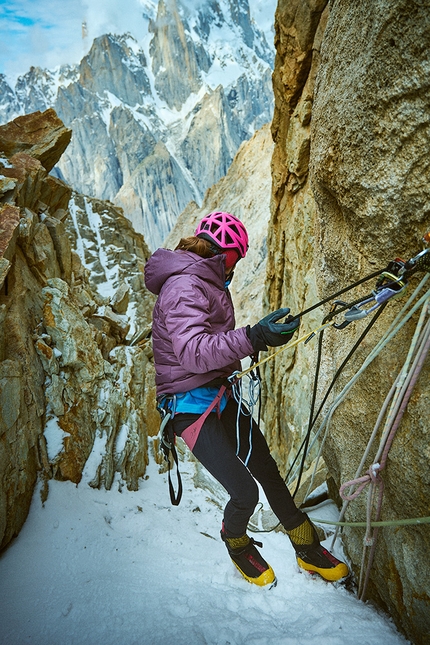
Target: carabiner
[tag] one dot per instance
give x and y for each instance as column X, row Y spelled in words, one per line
column 343, row 304
column 356, row 313
column 164, row 435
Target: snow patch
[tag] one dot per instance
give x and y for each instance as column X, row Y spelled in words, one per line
column 5, row 162
column 54, row 436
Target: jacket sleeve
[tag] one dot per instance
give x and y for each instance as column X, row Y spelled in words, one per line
column 197, row 347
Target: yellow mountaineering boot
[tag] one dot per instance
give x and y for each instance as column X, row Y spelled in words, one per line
column 313, row 557
column 248, row 560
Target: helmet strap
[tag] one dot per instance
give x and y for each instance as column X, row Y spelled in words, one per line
column 216, row 250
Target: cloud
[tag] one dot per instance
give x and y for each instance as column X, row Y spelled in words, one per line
column 48, row 33
column 38, row 33
column 114, row 16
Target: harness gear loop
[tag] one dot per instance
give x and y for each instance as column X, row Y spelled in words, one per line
column 167, row 437
column 167, row 444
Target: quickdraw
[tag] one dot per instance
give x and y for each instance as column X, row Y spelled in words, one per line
column 391, row 284
column 397, row 270
column 383, row 292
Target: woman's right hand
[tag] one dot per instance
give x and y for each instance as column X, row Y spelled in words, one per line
column 271, row 333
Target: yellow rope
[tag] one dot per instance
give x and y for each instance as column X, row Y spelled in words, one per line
column 302, row 339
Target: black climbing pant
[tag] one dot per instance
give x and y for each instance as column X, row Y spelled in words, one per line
column 216, row 447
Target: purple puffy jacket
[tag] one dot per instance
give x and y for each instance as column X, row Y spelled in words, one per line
column 193, row 335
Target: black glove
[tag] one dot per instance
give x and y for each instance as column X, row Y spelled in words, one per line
column 269, row 333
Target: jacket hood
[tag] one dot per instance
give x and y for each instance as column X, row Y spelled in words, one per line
column 164, row 264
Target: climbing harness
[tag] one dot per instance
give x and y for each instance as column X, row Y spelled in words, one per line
column 166, row 407
column 190, row 434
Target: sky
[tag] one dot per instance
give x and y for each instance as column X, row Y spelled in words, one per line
column 47, row 33
column 95, row 566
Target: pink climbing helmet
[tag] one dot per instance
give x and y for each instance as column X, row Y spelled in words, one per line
column 225, row 230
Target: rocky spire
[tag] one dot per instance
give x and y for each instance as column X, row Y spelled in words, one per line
column 174, row 60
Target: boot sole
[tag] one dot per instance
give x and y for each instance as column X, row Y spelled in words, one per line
column 333, row 574
column 266, row 578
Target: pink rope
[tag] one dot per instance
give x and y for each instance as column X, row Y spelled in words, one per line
column 372, row 476
column 422, row 357
column 361, row 483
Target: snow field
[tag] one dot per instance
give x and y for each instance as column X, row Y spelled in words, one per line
column 111, row 567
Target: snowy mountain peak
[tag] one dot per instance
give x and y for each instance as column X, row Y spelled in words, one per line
column 157, row 120
column 115, row 64
column 176, row 61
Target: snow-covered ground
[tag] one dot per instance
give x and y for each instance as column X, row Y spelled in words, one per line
column 96, row 567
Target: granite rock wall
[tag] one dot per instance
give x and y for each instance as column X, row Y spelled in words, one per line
column 350, row 193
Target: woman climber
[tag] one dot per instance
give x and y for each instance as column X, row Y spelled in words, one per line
column 196, row 347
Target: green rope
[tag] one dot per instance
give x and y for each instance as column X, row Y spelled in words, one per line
column 411, row 522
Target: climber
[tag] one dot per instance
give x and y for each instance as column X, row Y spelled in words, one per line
column 196, row 348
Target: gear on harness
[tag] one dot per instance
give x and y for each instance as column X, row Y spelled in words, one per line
column 254, row 398
column 167, row 444
column 167, row 407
